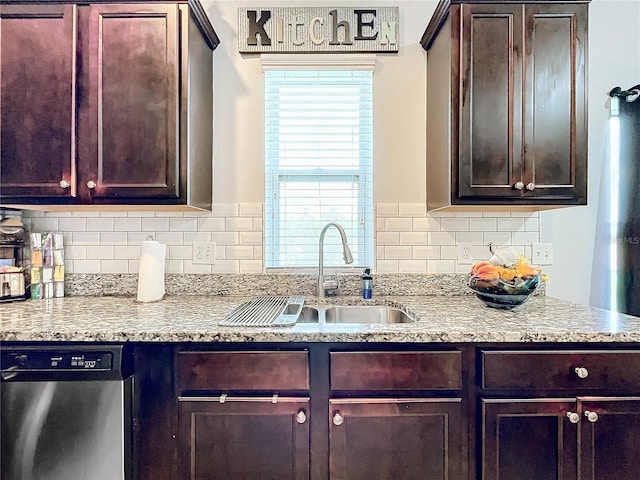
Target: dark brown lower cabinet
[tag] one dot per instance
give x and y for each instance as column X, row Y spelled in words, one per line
column 392, row 439
column 609, row 438
column 588, row 438
column 243, row 438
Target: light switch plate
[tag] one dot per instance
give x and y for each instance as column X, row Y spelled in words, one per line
column 204, row 253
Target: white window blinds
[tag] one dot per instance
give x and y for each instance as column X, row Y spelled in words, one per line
column 319, row 162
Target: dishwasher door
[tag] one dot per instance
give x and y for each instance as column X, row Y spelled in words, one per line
column 63, row 429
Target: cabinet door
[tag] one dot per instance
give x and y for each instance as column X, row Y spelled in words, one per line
column 37, row 101
column 390, row 439
column 610, row 440
column 532, row 438
column 555, row 134
column 243, row 438
column 490, row 160
column 130, row 148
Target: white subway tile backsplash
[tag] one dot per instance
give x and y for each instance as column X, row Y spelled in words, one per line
column 440, row 266
column 180, row 252
column 455, row 224
column 250, row 238
column 387, row 209
column 398, row 251
column 173, row 266
column 114, row 266
column 387, row 266
column 127, row 224
column 239, row 224
column 483, row 224
column 155, row 224
column 250, row 209
column 239, row 252
column 469, row 237
column 524, row 238
column 250, row 266
column 408, row 240
column 441, row 238
column 170, row 238
column 497, row 238
column 387, row 238
column 426, row 252
column 86, row 238
column 87, row 266
column 398, row 224
column 113, row 238
column 412, row 266
column 510, row 224
column 75, row 252
column 413, row 238
column 211, row 224
column 183, row 224
column 72, row 224
column 412, row 210
column 127, row 252
column 225, row 210
column 100, row 252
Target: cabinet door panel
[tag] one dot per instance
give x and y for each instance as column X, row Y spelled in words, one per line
column 37, row 100
column 528, row 439
column 610, row 446
column 134, row 69
column 555, row 134
column 243, row 440
column 389, row 439
column 490, row 102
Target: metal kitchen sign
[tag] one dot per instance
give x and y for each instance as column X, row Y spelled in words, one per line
column 318, row 29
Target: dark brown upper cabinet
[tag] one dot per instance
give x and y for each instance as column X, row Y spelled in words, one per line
column 506, row 105
column 106, row 104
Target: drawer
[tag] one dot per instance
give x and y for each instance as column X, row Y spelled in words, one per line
column 396, row 370
column 255, row 370
column 571, row 370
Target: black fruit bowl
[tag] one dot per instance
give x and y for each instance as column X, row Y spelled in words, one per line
column 503, row 294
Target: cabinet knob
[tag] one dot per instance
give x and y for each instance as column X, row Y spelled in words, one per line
column 573, row 417
column 301, row 417
column 519, row 185
column 581, row 372
column 591, row 416
column 531, row 186
column 338, row 419
column 91, row 185
column 64, row 184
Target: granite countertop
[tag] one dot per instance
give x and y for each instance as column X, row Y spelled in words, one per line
column 195, row 319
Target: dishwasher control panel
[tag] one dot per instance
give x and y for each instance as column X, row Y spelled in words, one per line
column 72, row 362
column 58, row 360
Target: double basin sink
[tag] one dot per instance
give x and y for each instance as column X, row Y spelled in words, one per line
column 361, row 314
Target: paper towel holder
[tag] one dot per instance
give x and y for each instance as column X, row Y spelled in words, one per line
column 151, row 271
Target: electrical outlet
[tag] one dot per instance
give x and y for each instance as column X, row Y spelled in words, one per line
column 542, row 253
column 204, row 253
column 465, row 257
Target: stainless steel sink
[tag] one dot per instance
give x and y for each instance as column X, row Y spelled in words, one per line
column 362, row 314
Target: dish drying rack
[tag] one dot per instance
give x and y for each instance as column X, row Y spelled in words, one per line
column 266, row 311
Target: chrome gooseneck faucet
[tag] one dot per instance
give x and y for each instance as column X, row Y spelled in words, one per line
column 348, row 258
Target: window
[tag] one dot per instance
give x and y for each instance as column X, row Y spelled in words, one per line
column 318, row 165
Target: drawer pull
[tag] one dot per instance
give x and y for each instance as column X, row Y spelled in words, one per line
column 582, row 372
column 591, row 416
column 573, row 417
column 338, row 419
column 301, row 417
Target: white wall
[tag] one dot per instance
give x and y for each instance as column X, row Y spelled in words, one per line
column 399, row 102
column 614, row 60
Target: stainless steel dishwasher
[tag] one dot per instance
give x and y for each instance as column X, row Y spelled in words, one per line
column 65, row 412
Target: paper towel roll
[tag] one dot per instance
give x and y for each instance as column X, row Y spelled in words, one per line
column 151, row 271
